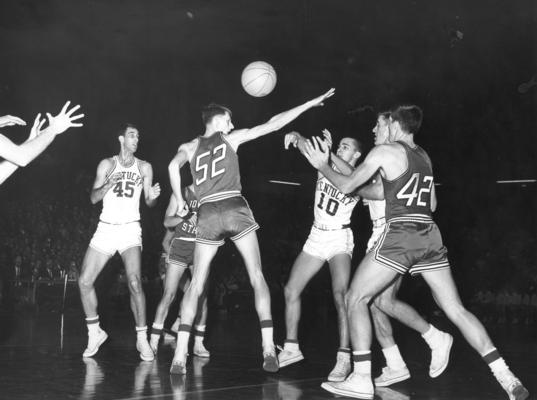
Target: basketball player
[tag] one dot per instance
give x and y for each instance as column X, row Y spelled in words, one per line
column 439, row 342
column 16, row 156
column 411, row 242
column 330, row 240
column 119, row 182
column 180, row 253
column 224, row 213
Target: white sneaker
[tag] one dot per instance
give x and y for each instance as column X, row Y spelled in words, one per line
column 356, row 385
column 288, row 357
column 342, row 369
column 512, row 385
column 440, row 355
column 199, row 350
column 178, row 367
column 94, row 342
column 390, row 376
column 146, row 353
column 153, row 342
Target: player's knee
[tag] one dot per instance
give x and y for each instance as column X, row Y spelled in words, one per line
column 355, row 298
column 383, row 303
column 84, row 284
column 168, row 298
column 135, row 284
column 340, row 298
column 290, row 293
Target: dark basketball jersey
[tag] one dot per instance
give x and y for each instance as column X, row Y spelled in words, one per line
column 411, row 192
column 187, row 229
column 215, row 169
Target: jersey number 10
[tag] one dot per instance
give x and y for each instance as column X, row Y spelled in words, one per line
column 414, row 189
column 331, row 205
column 204, row 167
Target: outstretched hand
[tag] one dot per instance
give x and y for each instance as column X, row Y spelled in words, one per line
column 328, row 138
column 318, row 101
column 64, row 120
column 10, row 120
column 36, row 128
column 317, row 152
column 291, row 138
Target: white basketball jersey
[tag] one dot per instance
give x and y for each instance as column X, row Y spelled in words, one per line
column 377, row 209
column 121, row 204
column 332, row 208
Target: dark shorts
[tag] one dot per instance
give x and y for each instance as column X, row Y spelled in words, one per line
column 410, row 246
column 228, row 218
column 181, row 252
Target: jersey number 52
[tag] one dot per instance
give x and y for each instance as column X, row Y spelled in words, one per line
column 414, row 189
column 218, row 153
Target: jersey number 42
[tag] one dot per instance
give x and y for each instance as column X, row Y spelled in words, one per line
column 414, row 189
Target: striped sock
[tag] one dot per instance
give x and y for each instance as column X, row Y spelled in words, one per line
column 362, row 362
column 267, row 333
column 93, row 325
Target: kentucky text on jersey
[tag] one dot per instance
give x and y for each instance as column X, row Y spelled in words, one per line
column 326, row 187
column 131, row 176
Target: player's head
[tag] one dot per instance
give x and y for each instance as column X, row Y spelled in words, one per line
column 349, row 150
column 128, row 136
column 405, row 120
column 381, row 129
column 217, row 117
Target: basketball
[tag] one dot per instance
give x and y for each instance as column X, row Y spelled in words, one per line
column 258, row 78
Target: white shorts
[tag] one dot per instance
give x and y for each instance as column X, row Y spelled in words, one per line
column 377, row 232
column 109, row 238
column 327, row 244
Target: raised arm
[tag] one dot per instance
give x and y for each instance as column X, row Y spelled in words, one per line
column 23, row 154
column 277, row 122
column 317, row 153
column 174, row 169
column 343, row 166
column 7, row 168
column 151, row 192
column 102, row 183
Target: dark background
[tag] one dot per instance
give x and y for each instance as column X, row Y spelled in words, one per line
column 155, row 63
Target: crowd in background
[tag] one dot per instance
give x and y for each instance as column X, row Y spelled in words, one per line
column 43, row 239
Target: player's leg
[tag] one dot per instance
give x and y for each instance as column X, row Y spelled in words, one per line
column 340, row 270
column 248, row 246
column 447, row 297
column 370, row 278
column 396, row 369
column 200, row 326
column 304, row 268
column 93, row 264
column 203, row 255
column 174, row 272
column 132, row 259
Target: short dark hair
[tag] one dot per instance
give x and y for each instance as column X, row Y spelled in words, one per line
column 123, row 128
column 384, row 114
column 409, row 117
column 211, row 110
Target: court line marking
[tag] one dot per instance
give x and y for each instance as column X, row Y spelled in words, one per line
column 285, row 183
column 166, row 395
column 519, row 181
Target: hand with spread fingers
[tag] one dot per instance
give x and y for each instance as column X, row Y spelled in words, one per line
column 317, row 152
column 64, row 120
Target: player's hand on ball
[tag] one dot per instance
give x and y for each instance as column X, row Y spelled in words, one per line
column 318, row 101
column 10, row 120
column 317, row 152
column 290, row 139
column 154, row 191
column 328, row 138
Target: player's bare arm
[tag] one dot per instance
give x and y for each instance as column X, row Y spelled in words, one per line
column 171, row 220
column 103, row 183
column 373, row 190
column 184, row 154
column 239, row 136
column 318, row 154
column 151, row 192
column 22, row 155
column 10, row 120
column 7, row 168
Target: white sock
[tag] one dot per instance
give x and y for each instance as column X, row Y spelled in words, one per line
column 141, row 332
column 157, row 326
column 93, row 325
column 267, row 337
column 182, row 344
column 432, row 336
column 394, row 360
column 291, row 346
column 198, row 339
column 362, row 366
